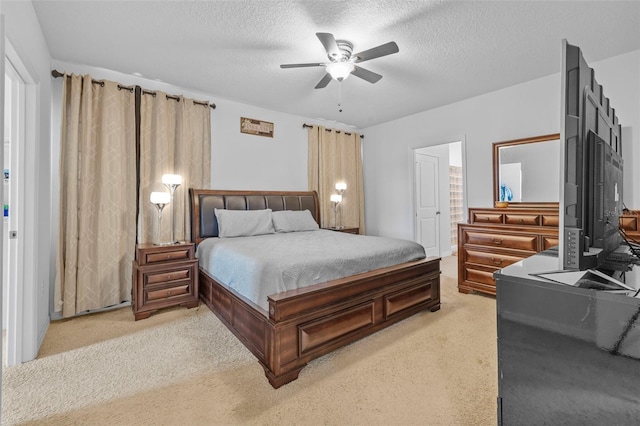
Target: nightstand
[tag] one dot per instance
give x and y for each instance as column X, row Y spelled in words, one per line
column 346, row 230
column 164, row 276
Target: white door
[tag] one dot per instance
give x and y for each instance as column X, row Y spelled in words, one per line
column 427, row 203
column 21, row 305
column 13, row 148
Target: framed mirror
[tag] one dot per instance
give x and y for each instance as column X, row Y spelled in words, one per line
column 527, row 171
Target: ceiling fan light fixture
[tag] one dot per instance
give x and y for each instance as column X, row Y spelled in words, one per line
column 340, row 70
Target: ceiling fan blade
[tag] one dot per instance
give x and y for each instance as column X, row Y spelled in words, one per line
column 323, row 83
column 376, row 52
column 364, row 74
column 315, row 64
column 329, row 43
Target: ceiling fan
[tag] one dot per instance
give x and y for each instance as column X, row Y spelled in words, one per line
column 342, row 62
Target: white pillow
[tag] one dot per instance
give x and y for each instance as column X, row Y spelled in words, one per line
column 244, row 223
column 292, row 221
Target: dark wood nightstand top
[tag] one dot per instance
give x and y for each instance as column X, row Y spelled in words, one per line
column 348, row 230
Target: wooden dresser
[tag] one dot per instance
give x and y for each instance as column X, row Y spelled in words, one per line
column 497, row 237
column 630, row 224
column 164, row 276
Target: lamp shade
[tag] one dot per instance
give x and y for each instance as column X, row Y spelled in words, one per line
column 341, row 186
column 172, row 179
column 160, row 197
column 336, row 198
column 340, row 70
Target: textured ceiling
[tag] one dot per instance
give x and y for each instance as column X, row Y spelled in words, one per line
column 449, row 50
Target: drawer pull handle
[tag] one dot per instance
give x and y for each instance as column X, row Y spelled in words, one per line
column 497, row 241
column 168, row 277
column 168, row 256
column 496, row 261
column 169, row 293
column 521, row 220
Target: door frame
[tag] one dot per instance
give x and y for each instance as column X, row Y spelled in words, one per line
column 412, row 155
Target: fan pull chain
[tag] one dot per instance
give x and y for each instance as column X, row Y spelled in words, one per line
column 339, row 96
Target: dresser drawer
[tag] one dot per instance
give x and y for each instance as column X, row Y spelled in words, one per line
column 477, row 217
column 629, row 223
column 481, row 275
column 527, row 242
column 522, row 219
column 548, row 242
column 550, row 220
column 490, row 259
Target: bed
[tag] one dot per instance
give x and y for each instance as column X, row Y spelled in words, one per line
column 295, row 326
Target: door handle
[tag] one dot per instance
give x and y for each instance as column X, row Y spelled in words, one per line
column 437, row 212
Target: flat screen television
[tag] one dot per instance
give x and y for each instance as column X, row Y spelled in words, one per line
column 591, row 193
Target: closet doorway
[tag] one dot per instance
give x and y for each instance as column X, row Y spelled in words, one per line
column 439, row 196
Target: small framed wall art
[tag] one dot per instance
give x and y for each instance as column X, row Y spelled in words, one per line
column 256, row 127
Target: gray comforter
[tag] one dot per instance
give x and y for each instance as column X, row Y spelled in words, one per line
column 259, row 266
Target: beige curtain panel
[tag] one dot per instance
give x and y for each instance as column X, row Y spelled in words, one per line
column 336, row 156
column 175, row 138
column 97, row 230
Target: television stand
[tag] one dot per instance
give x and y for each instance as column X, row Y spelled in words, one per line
column 566, row 355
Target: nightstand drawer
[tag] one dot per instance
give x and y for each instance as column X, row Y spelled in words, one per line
column 148, row 255
column 161, row 277
column 165, row 293
column 167, row 256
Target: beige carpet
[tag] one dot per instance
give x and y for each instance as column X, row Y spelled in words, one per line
column 183, row 367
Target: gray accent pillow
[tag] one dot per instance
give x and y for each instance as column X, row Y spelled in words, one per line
column 293, row 221
column 244, row 223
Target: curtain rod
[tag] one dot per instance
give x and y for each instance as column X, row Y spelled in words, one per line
column 56, row 74
column 308, row 126
column 177, row 98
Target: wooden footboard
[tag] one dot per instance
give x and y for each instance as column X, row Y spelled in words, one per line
column 307, row 323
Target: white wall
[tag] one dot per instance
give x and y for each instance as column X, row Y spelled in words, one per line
column 24, row 34
column 528, row 109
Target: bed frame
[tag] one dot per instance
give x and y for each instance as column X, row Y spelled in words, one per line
column 307, row 323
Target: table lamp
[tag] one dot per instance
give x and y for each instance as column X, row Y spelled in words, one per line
column 172, row 182
column 160, row 199
column 335, row 201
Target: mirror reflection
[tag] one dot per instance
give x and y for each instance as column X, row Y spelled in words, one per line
column 527, row 170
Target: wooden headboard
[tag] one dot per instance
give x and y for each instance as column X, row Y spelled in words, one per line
column 203, row 202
